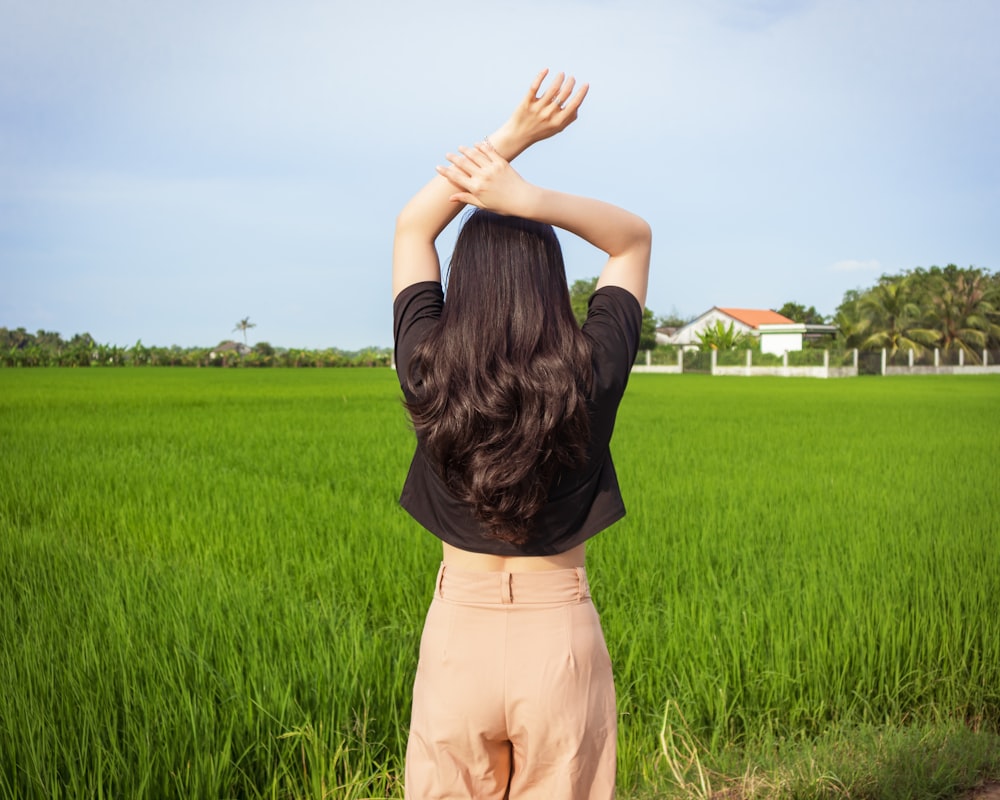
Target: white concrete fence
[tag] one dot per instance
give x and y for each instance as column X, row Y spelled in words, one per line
column 661, row 368
column 938, row 368
column 748, row 370
column 785, row 371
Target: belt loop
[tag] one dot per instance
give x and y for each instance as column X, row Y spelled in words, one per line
column 583, row 587
column 506, row 588
column 440, row 581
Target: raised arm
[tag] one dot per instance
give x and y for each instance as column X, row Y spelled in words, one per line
column 485, row 179
column 537, row 117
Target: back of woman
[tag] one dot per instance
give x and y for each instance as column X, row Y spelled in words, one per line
column 513, row 406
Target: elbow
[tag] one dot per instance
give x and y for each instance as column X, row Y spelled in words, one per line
column 404, row 221
column 641, row 239
column 643, row 233
column 413, row 226
column 410, row 218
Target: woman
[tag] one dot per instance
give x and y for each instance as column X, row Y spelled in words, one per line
column 513, row 406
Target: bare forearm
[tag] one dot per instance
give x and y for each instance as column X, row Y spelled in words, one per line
column 608, row 227
column 625, row 237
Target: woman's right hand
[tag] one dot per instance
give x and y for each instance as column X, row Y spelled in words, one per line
column 539, row 117
column 485, row 179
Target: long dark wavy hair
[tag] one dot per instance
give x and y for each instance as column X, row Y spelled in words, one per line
column 501, row 383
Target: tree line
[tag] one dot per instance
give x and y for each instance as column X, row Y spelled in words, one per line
column 948, row 308
column 20, row 348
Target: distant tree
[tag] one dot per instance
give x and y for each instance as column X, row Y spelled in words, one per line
column 104, row 354
column 799, row 313
column 79, row 352
column 579, row 295
column 647, row 334
column 244, row 325
column 892, row 318
column 672, row 320
column 959, row 305
column 53, row 342
column 849, row 320
column 140, row 353
column 18, row 338
column 951, row 307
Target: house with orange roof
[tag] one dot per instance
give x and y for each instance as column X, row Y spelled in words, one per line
column 777, row 333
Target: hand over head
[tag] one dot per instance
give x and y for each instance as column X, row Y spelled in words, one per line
column 538, row 117
column 486, row 179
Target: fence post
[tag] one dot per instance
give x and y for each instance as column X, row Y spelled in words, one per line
column 715, row 355
column 855, row 358
column 984, row 356
column 909, row 358
column 826, row 362
column 749, row 358
column 937, row 357
column 784, row 359
column 680, row 358
column 883, row 361
column 961, row 357
column 649, row 357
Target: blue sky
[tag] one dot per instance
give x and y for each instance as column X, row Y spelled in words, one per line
column 169, row 168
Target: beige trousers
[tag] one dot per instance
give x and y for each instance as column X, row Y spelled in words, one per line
column 514, row 696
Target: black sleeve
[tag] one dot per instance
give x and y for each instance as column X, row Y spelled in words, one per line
column 613, row 325
column 415, row 311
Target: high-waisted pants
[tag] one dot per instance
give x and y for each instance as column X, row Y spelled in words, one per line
column 514, row 696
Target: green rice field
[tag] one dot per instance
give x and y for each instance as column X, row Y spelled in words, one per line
column 208, row 590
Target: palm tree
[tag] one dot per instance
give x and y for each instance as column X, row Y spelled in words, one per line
column 850, row 321
column 961, row 308
column 891, row 318
column 244, row 325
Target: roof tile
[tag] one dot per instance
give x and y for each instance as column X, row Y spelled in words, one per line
column 756, row 317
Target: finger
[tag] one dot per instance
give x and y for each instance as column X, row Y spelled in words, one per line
column 484, row 155
column 575, row 103
column 454, row 176
column 467, row 160
column 473, row 158
column 487, row 151
column 459, row 181
column 457, row 163
column 553, row 89
column 566, row 91
column 536, row 84
column 465, row 197
column 448, row 173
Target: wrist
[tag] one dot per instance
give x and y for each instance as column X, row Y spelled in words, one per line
column 507, row 142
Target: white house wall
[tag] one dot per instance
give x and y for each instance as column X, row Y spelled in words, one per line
column 778, row 343
column 779, row 338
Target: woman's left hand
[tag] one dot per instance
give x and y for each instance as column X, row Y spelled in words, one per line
column 486, row 179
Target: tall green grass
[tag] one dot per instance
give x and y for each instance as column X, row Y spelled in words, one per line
column 806, row 555
column 207, row 588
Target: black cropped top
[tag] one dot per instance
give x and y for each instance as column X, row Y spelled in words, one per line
column 581, row 502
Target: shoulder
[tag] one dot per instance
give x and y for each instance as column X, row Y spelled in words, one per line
column 613, row 324
column 417, row 303
column 415, row 311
